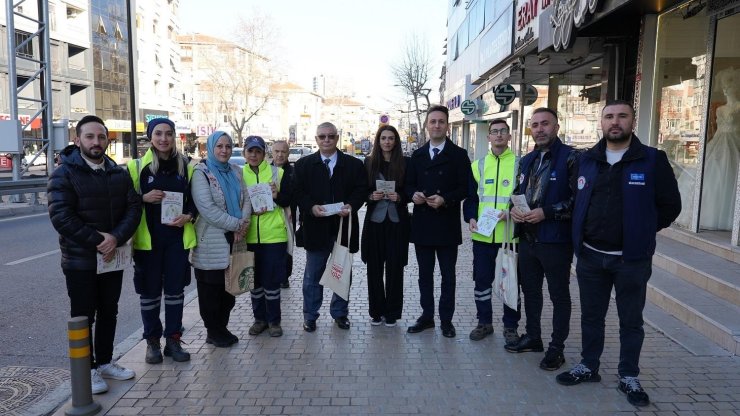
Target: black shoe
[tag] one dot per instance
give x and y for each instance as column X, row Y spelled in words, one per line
column 342, row 323
column 632, row 388
column 309, row 325
column 275, row 330
column 420, row 326
column 232, row 339
column 153, row 351
column 218, row 340
column 448, row 330
column 526, row 344
column 481, row 331
column 284, row 285
column 376, row 321
column 511, row 337
column 257, row 327
column 553, row 360
column 577, row 375
column 390, row 322
column 173, row 348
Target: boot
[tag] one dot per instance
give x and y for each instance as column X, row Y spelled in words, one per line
column 153, row 351
column 173, row 348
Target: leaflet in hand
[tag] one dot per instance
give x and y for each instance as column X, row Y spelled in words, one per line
column 332, row 209
column 488, row 220
column 261, row 197
column 171, row 206
column 385, row 187
column 520, row 201
column 120, row 260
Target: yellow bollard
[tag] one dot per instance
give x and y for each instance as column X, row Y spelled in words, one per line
column 79, row 366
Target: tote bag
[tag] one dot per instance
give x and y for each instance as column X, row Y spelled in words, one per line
column 505, row 284
column 339, row 268
column 240, row 272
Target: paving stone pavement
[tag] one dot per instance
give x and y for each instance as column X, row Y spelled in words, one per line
column 380, row 370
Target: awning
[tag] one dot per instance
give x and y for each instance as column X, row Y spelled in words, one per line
column 497, row 78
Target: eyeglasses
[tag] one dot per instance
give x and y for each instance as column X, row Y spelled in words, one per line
column 496, row 132
column 327, row 136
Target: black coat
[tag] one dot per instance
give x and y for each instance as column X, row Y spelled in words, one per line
column 83, row 201
column 447, row 175
column 312, row 186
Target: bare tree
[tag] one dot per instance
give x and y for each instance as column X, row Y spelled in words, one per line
column 412, row 74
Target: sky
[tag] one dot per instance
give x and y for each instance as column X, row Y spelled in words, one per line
column 352, row 41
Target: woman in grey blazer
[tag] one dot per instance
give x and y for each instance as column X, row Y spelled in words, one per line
column 224, row 210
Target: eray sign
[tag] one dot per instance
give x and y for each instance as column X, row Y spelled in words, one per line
column 527, row 21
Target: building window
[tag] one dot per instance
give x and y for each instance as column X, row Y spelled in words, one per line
column 101, row 26
column 118, row 34
column 25, row 50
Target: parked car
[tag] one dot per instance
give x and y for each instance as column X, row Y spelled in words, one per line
column 39, row 161
column 297, row 153
column 237, row 157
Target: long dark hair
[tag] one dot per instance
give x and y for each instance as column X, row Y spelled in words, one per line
column 396, row 170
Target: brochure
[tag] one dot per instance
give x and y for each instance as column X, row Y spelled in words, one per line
column 520, row 201
column 120, row 260
column 171, row 206
column 488, row 220
column 332, row 209
column 261, row 197
column 385, row 187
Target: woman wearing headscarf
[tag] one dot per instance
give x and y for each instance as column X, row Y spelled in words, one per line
column 385, row 233
column 224, row 211
column 161, row 248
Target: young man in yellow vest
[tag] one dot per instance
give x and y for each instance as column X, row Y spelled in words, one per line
column 493, row 181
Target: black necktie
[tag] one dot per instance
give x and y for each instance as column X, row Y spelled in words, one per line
column 436, row 152
column 326, row 163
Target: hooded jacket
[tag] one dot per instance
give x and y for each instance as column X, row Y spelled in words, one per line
column 84, row 202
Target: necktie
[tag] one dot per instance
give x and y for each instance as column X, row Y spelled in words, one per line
column 326, row 163
column 436, row 152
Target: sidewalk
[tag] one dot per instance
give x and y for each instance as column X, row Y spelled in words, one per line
column 379, row 370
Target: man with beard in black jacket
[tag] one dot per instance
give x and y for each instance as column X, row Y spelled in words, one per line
column 95, row 209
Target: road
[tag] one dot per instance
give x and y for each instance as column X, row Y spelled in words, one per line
column 34, row 307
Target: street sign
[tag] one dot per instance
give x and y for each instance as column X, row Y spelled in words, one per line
column 468, row 107
column 504, row 94
column 530, row 94
column 384, row 119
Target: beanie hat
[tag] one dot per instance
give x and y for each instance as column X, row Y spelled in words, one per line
column 156, row 121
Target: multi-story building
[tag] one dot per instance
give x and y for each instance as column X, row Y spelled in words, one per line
column 354, row 120
column 70, row 63
column 159, row 76
column 293, row 113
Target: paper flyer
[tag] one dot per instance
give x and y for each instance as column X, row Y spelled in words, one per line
column 120, row 260
column 171, row 206
column 520, row 201
column 488, row 220
column 385, row 187
column 332, row 209
column 261, row 197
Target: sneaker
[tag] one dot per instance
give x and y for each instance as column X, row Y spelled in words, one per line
column 511, row 337
column 390, row 322
column 553, row 360
column 578, row 374
column 526, row 344
column 257, row 327
column 115, row 372
column 376, row 321
column 153, row 351
column 173, row 348
column 632, row 388
column 97, row 383
column 275, row 330
column 481, row 331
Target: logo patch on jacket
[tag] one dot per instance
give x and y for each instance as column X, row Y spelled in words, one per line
column 489, row 181
column 553, row 176
column 505, row 183
column 581, row 182
column 637, row 179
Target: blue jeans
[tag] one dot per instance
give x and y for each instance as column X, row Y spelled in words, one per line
column 552, row 261
column 484, row 271
column 597, row 273
column 313, row 292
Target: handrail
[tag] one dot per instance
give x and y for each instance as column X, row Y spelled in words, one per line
column 24, row 186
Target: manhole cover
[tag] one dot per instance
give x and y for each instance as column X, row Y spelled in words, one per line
column 21, row 387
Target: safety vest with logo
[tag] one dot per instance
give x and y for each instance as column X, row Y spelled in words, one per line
column 494, row 189
column 269, row 227
column 142, row 238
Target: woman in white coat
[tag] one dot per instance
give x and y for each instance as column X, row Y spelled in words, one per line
column 224, row 211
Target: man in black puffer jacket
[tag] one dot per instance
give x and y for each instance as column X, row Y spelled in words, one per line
column 95, row 209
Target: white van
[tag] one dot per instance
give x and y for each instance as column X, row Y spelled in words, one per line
column 297, row 153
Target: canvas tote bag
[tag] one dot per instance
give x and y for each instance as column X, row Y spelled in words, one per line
column 240, row 272
column 505, row 283
column 339, row 268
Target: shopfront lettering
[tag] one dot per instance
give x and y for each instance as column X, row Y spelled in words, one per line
column 567, row 15
column 454, row 102
column 521, row 41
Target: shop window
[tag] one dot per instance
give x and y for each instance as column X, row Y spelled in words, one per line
column 680, row 64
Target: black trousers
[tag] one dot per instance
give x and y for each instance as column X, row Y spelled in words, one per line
column 214, row 302
column 447, row 257
column 385, row 299
column 96, row 297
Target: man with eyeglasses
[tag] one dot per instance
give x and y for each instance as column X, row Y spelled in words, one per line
column 437, row 182
column 328, row 176
column 546, row 176
column 492, row 184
